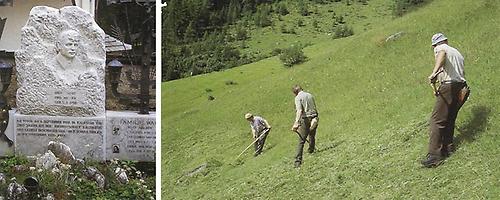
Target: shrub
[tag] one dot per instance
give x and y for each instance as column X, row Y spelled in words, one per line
column 315, row 24
column 291, row 56
column 285, row 30
column 400, row 7
column 338, row 20
column 342, row 30
column 241, row 33
column 303, row 10
column 282, row 10
column 276, row 51
column 300, row 22
column 262, row 17
column 364, row 2
column 230, row 82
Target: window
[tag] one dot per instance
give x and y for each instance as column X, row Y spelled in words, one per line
column 2, row 25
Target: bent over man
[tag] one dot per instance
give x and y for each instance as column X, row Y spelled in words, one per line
column 306, row 121
column 449, row 71
column 260, row 129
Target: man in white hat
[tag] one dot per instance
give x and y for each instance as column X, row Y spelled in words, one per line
column 449, row 71
column 260, row 129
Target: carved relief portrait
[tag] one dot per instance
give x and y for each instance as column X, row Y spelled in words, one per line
column 67, row 65
column 61, row 64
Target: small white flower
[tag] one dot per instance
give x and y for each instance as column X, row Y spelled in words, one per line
column 32, row 168
column 55, row 170
column 65, row 166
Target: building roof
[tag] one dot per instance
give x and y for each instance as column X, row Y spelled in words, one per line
column 17, row 15
column 113, row 44
column 130, row 1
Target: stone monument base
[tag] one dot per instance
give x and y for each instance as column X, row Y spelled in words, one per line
column 130, row 136
column 124, row 135
column 84, row 135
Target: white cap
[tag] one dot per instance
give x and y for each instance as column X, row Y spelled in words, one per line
column 438, row 37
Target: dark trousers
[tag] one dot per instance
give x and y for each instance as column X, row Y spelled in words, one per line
column 442, row 122
column 259, row 145
column 305, row 131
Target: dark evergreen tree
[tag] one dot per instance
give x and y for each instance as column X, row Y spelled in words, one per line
column 190, row 34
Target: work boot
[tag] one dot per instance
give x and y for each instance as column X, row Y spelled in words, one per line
column 431, row 161
column 447, row 150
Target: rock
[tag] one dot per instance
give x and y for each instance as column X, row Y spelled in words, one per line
column 197, row 170
column 50, row 197
column 121, row 175
column 48, row 161
column 32, row 160
column 93, row 174
column 61, row 64
column 62, row 152
column 20, row 168
column 3, row 179
column 79, row 162
column 394, row 36
column 16, row 191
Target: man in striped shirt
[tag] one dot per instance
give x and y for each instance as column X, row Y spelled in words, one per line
column 260, row 129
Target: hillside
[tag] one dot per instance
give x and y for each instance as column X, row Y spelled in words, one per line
column 374, row 104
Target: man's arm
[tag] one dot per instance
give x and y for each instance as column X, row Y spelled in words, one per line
column 266, row 124
column 440, row 59
column 298, row 107
column 253, row 133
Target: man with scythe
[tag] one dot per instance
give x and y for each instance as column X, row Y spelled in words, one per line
column 260, row 129
column 306, row 121
column 450, row 96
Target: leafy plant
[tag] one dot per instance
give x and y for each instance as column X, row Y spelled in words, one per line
column 342, row 30
column 402, row 6
column 292, row 55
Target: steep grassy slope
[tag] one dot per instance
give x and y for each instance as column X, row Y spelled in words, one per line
column 374, row 105
column 361, row 17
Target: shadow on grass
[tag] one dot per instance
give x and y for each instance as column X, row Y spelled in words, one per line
column 329, row 146
column 476, row 125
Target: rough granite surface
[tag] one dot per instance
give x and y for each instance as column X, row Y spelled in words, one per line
column 49, row 86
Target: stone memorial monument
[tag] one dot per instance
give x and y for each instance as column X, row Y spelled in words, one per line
column 61, row 92
column 60, row 65
column 60, row 74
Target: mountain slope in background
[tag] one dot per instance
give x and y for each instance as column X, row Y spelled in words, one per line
column 374, row 104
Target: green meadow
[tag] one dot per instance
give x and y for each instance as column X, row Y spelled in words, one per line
column 374, row 104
